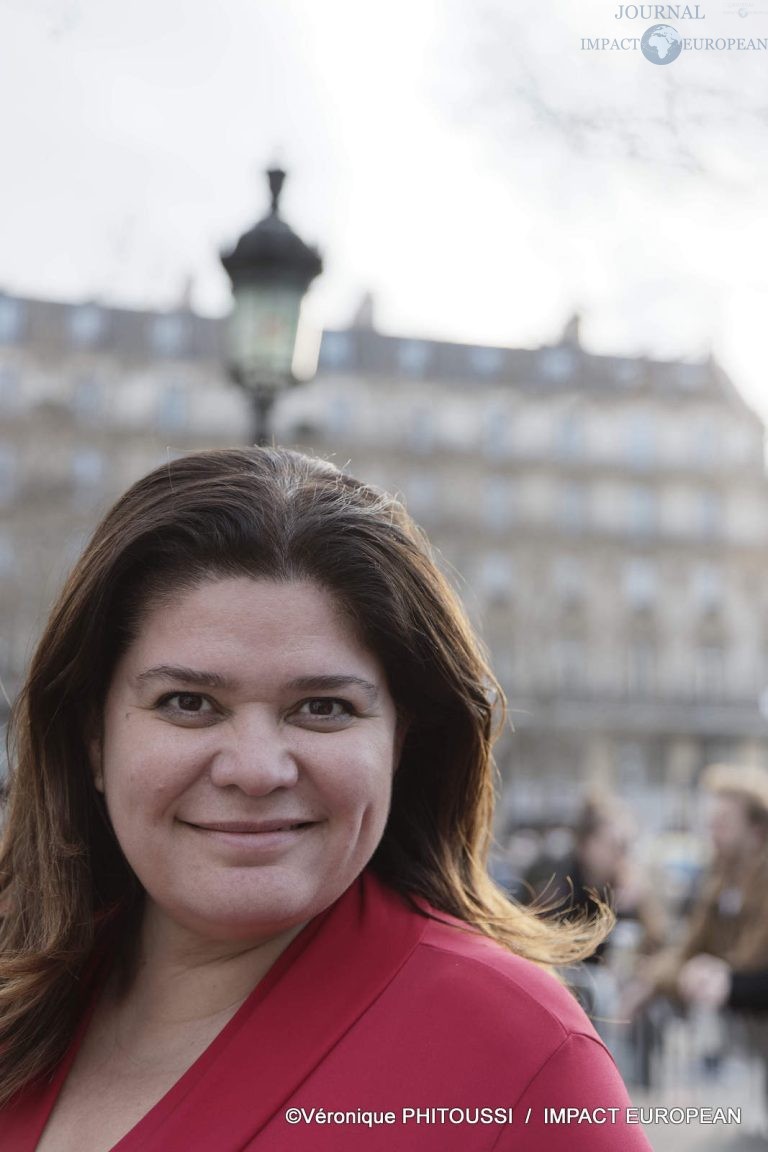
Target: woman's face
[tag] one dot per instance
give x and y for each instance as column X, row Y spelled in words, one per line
column 604, row 852
column 248, row 748
column 733, row 835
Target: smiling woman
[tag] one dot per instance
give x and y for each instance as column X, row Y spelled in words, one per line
column 249, row 806
column 243, row 875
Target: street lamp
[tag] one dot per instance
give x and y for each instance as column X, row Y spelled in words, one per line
column 270, row 269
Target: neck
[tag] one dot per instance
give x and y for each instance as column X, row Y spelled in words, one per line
column 177, row 977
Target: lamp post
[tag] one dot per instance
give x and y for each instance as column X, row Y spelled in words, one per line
column 270, row 269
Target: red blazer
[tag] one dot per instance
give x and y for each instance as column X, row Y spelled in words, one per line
column 426, row 1036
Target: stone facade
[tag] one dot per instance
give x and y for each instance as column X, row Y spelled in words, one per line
column 90, row 399
column 606, row 521
column 604, row 518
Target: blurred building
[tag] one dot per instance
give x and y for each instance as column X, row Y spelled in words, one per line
column 605, row 518
column 607, row 521
column 90, row 399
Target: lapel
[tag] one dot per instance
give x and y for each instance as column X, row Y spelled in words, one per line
column 315, row 992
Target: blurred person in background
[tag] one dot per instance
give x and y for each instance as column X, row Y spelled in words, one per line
column 724, row 947
column 599, row 870
column 713, row 983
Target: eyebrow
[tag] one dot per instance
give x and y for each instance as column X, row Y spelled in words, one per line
column 203, row 679
column 185, row 675
column 334, row 683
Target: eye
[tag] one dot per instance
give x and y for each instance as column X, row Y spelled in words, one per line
column 187, row 705
column 325, row 709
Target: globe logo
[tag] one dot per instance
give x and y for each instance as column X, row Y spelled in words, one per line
column 661, row 44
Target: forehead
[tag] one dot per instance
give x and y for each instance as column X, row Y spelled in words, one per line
column 248, row 620
column 728, row 806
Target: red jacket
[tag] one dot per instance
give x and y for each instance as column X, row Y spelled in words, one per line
column 381, row 1030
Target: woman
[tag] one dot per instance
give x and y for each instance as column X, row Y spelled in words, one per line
column 710, row 981
column 728, row 926
column 599, row 870
column 244, row 894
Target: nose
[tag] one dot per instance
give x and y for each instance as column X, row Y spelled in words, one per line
column 254, row 755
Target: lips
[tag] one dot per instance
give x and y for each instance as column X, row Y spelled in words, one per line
column 251, row 827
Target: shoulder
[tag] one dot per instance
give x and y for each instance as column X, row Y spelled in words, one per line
column 494, row 983
column 454, row 970
column 483, row 1016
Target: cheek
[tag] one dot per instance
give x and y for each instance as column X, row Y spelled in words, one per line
column 133, row 803
column 139, row 781
column 360, row 778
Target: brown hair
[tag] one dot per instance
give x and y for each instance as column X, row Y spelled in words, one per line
column 596, row 812
column 268, row 513
column 746, row 783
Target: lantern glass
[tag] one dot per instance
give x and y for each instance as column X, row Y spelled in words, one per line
column 262, row 332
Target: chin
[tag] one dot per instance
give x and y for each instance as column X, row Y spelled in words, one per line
column 251, row 919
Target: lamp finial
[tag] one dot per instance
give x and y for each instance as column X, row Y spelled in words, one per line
column 276, row 177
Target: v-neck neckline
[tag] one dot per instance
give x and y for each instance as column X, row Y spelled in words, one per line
column 303, row 1004
column 162, row 1108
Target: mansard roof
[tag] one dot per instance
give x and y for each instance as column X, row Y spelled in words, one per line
column 550, row 368
column 51, row 328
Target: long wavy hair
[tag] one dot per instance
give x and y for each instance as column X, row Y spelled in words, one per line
column 263, row 513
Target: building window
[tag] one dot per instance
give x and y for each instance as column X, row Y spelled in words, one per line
column 631, row 765
column 556, row 364
column 627, row 371
column 169, row 334
column 706, row 442
column 10, row 388
column 486, row 361
column 74, row 546
column 7, row 554
column 11, row 319
column 497, row 577
column 421, row 429
column 709, row 513
column 339, row 414
column 497, row 503
column 88, row 398
column 495, row 444
column 643, row 511
column 570, row 662
column 640, row 583
column 568, row 578
column 640, row 670
column 504, row 665
column 413, row 357
column 86, row 324
column 641, row 440
column 172, row 406
column 709, row 670
column 707, row 587
column 87, row 475
column 8, row 473
column 87, row 467
column 571, row 436
column 574, row 508
column 691, row 376
column 421, row 494
column 335, row 350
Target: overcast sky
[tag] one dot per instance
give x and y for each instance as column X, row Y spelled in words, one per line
column 465, row 160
